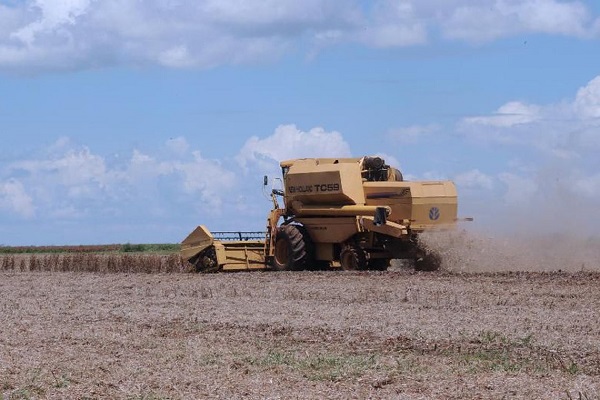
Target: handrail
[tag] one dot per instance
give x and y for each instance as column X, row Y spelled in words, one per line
column 238, row 235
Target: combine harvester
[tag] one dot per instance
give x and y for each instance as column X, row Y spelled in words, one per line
column 353, row 213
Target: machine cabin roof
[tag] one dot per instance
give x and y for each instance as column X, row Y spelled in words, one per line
column 289, row 163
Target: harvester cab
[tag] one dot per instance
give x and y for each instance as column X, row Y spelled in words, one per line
column 353, row 213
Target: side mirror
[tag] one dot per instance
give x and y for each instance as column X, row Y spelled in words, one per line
column 265, row 180
column 380, row 216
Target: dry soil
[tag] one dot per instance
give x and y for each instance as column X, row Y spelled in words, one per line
column 397, row 335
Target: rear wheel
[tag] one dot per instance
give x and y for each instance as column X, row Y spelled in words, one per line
column 292, row 248
column 353, row 258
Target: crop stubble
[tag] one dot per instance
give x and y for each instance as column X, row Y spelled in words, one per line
column 95, row 262
column 300, row 335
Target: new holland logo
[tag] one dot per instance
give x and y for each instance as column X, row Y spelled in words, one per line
column 434, row 213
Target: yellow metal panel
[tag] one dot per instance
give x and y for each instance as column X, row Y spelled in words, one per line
column 330, row 230
column 313, row 182
column 427, row 205
column 243, row 255
column 396, row 195
column 390, row 228
column 335, row 211
column 324, row 251
column 221, row 253
column 435, row 205
column 195, row 242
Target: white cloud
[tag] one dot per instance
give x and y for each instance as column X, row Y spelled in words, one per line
column 288, row 142
column 78, row 170
column 288, row 14
column 553, row 169
column 491, row 19
column 587, row 101
column 588, row 186
column 53, row 15
column 143, row 167
column 508, row 115
column 564, row 129
column 69, row 181
column 209, row 178
column 474, row 179
column 12, row 19
column 177, row 57
column 520, row 190
column 413, row 133
column 179, row 34
column 389, row 159
column 14, row 199
column 205, row 180
column 178, row 145
column 68, row 213
column 393, row 24
column 596, row 28
column 78, row 34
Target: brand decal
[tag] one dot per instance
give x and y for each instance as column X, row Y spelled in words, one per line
column 434, row 213
column 318, row 188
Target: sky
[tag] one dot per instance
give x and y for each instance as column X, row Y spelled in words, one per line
column 135, row 121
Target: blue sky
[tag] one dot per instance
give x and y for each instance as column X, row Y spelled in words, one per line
column 135, row 121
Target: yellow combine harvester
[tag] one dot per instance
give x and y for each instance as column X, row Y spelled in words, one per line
column 353, row 213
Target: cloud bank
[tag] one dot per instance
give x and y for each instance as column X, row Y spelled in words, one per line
column 551, row 185
column 174, row 184
column 552, row 179
column 289, row 142
column 42, row 35
column 567, row 130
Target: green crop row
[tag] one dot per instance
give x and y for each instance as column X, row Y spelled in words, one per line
column 164, row 248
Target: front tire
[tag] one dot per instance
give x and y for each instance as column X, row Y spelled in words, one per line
column 293, row 249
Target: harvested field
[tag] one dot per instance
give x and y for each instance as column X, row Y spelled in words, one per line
column 300, row 335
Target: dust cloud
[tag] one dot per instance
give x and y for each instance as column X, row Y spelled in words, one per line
column 546, row 219
column 470, row 251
